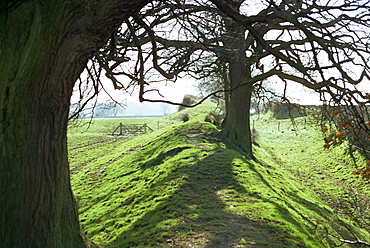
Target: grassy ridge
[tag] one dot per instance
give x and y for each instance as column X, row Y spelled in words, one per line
column 184, row 185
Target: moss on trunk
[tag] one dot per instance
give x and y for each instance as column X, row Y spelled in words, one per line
column 236, row 125
column 43, row 49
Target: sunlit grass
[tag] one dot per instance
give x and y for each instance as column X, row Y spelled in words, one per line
column 183, row 184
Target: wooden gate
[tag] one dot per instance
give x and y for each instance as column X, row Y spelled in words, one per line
column 131, row 129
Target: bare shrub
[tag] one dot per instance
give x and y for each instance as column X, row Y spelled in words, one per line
column 185, row 117
column 188, row 100
column 351, row 121
column 214, row 118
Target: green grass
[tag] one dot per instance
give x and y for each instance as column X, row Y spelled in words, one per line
column 184, row 185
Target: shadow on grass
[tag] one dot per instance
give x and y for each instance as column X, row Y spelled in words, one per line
column 199, row 212
column 195, row 214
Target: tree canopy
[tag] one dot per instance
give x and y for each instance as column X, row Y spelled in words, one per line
column 321, row 45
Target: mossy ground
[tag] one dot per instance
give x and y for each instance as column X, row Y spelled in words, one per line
column 184, row 186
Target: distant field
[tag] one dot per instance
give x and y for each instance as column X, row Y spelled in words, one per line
column 182, row 185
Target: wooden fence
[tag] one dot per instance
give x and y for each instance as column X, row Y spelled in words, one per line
column 131, row 129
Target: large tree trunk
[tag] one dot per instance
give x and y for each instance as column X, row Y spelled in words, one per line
column 236, row 125
column 44, row 48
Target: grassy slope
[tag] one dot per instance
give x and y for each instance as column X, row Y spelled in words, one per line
column 183, row 185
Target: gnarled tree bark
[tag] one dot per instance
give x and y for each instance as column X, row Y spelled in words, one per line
column 236, row 125
column 44, row 47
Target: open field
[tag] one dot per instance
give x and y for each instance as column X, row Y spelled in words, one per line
column 184, row 186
